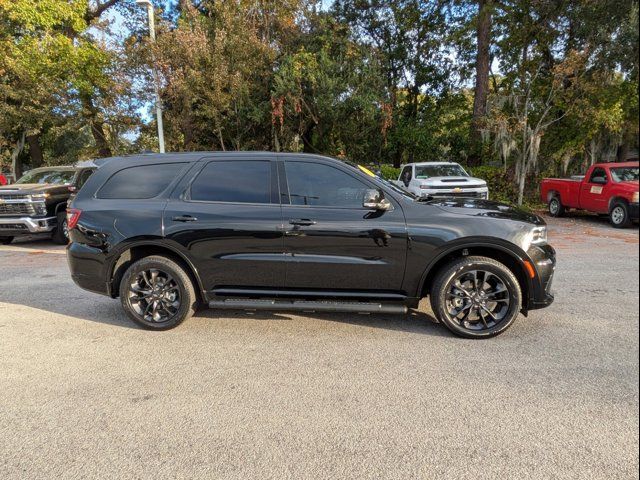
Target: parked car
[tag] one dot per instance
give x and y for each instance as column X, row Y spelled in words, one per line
column 607, row 188
column 36, row 204
column 167, row 233
column 440, row 179
column 3, row 180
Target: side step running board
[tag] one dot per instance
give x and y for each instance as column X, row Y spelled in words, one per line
column 308, row 306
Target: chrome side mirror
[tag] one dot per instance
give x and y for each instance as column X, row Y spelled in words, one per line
column 374, row 200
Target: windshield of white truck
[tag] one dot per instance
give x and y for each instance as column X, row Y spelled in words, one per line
column 625, row 174
column 428, row 171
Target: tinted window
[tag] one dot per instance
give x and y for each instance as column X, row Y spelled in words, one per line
column 234, row 181
column 598, row 172
column 318, row 184
column 83, row 177
column 146, row 181
column 406, row 174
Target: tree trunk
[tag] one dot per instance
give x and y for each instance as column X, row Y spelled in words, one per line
column 623, row 151
column 97, row 125
column 481, row 92
column 16, row 167
column 34, row 150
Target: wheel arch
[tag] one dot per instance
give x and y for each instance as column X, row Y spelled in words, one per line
column 503, row 254
column 554, row 194
column 615, row 199
column 60, row 207
column 145, row 248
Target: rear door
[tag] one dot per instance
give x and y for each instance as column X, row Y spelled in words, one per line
column 228, row 218
column 594, row 196
column 332, row 242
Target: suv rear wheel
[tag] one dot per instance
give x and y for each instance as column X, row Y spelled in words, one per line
column 476, row 297
column 157, row 293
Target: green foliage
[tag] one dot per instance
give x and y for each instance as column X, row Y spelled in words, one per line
column 379, row 82
column 500, row 183
column 389, row 172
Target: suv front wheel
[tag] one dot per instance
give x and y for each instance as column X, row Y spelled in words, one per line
column 476, row 297
column 157, row 293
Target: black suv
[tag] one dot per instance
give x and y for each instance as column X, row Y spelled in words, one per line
column 37, row 203
column 168, row 233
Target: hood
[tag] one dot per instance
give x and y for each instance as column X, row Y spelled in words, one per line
column 486, row 208
column 631, row 186
column 453, row 182
column 29, row 188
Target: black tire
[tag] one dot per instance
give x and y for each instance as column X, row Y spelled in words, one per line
column 6, row 240
column 619, row 215
column 556, row 209
column 445, row 297
column 60, row 233
column 134, row 302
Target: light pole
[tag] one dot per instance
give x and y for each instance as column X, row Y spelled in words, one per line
column 152, row 34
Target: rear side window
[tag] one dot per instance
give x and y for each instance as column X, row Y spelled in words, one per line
column 146, row 181
column 245, row 181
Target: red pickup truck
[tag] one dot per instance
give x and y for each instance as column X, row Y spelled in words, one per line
column 607, row 188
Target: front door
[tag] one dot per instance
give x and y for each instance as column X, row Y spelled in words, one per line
column 594, row 195
column 332, row 242
column 228, row 220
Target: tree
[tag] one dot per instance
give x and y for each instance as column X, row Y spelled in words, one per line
column 482, row 64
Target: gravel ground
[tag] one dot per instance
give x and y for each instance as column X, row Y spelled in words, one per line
column 86, row 394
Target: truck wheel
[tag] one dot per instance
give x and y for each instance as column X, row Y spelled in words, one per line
column 555, row 207
column 61, row 232
column 157, row 293
column 6, row 240
column 476, row 297
column 619, row 215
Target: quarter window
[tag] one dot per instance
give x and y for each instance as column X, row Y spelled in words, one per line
column 244, row 181
column 146, row 181
column 322, row 185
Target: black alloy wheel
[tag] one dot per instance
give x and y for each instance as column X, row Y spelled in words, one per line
column 476, row 297
column 157, row 293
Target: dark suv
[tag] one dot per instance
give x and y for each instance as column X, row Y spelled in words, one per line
column 168, row 233
column 37, row 203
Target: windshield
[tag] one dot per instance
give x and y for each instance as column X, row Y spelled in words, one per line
column 56, row 177
column 427, row 171
column 625, row 174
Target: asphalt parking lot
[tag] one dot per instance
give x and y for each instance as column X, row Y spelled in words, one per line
column 85, row 393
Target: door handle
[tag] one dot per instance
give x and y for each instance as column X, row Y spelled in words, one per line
column 302, row 222
column 184, row 218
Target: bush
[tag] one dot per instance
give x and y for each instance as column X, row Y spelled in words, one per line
column 501, row 185
column 503, row 188
column 389, row 172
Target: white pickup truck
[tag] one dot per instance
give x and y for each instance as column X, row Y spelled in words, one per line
column 440, row 179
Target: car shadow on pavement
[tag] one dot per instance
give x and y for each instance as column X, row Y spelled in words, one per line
column 412, row 322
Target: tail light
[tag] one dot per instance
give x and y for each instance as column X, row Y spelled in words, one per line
column 73, row 215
